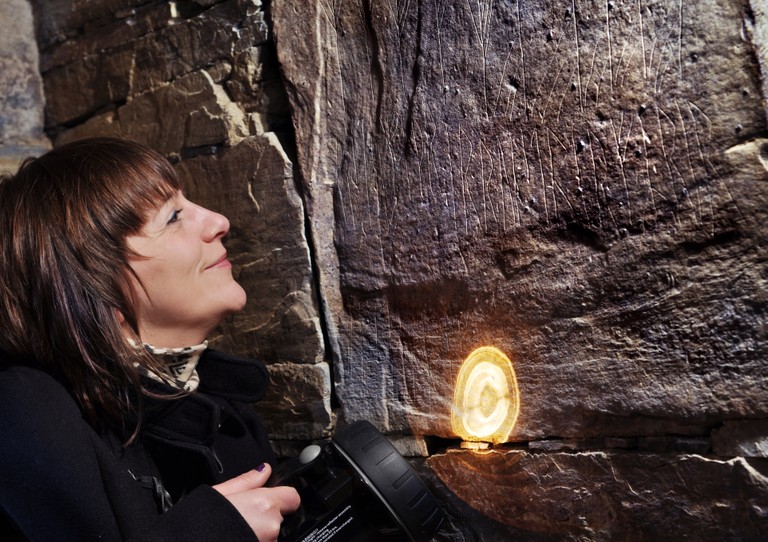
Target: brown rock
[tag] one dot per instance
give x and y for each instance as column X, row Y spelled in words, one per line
column 87, row 85
column 103, row 74
column 746, row 438
column 409, row 445
column 58, row 20
column 221, row 32
column 247, row 74
column 617, row 496
column 191, row 112
column 555, row 183
column 109, row 32
column 297, row 405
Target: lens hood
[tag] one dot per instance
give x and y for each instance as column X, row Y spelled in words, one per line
column 357, row 487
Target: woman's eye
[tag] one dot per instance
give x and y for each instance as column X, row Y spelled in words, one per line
column 175, row 216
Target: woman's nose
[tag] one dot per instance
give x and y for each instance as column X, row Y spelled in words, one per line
column 216, row 226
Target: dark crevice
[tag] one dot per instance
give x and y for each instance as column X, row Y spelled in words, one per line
column 721, row 238
column 187, row 9
column 749, row 14
column 287, row 137
column 582, row 234
column 192, row 152
column 438, row 445
column 416, row 74
column 281, row 122
column 656, row 444
column 52, row 131
column 376, row 67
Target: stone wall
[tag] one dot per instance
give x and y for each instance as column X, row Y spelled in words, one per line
column 581, row 185
column 21, row 88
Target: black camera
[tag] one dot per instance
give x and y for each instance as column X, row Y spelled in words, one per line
column 357, row 488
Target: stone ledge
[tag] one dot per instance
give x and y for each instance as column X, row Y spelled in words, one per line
column 607, row 496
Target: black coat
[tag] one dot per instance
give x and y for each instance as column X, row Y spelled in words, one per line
column 61, row 480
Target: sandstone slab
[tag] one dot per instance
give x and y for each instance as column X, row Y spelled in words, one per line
column 193, row 111
column 745, row 438
column 101, row 72
column 576, row 184
column 59, row 20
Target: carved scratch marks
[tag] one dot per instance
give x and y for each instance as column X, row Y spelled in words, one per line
column 577, row 43
column 585, row 106
column 576, row 114
column 481, row 14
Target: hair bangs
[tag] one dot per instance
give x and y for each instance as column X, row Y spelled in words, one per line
column 124, row 183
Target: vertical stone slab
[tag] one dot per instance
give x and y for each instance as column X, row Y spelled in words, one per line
column 21, row 90
column 97, row 70
column 578, row 184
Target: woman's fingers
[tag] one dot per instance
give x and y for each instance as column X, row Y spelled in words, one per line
column 262, row 507
column 249, row 480
column 286, row 497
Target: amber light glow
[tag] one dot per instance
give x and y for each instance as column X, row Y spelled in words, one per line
column 486, row 400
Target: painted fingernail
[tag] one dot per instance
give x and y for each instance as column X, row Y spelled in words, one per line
column 261, row 467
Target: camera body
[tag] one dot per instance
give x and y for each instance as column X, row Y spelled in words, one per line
column 354, row 488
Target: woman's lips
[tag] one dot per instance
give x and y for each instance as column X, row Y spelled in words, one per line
column 220, row 263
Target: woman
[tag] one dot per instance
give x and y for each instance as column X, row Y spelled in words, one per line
column 118, row 422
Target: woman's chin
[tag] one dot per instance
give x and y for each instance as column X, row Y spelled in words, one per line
column 243, row 299
column 236, row 299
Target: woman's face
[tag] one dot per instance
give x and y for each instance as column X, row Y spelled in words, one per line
column 184, row 268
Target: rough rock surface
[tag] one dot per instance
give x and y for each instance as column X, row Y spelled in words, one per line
column 579, row 184
column 146, row 47
column 582, row 185
column 190, row 112
column 21, row 88
column 603, row 496
column 744, row 438
column 297, row 404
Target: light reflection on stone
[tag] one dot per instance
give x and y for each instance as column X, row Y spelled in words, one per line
column 486, row 400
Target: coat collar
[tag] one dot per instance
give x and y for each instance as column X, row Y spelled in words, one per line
column 196, row 418
column 232, row 377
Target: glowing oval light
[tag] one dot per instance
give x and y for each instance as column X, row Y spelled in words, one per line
column 486, row 400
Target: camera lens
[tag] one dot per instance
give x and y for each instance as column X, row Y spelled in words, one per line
column 358, row 488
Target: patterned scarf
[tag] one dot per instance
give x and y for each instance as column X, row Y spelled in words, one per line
column 181, row 364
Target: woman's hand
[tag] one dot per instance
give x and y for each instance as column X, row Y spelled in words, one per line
column 262, row 507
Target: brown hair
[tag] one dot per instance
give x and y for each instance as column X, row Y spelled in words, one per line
column 65, row 281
